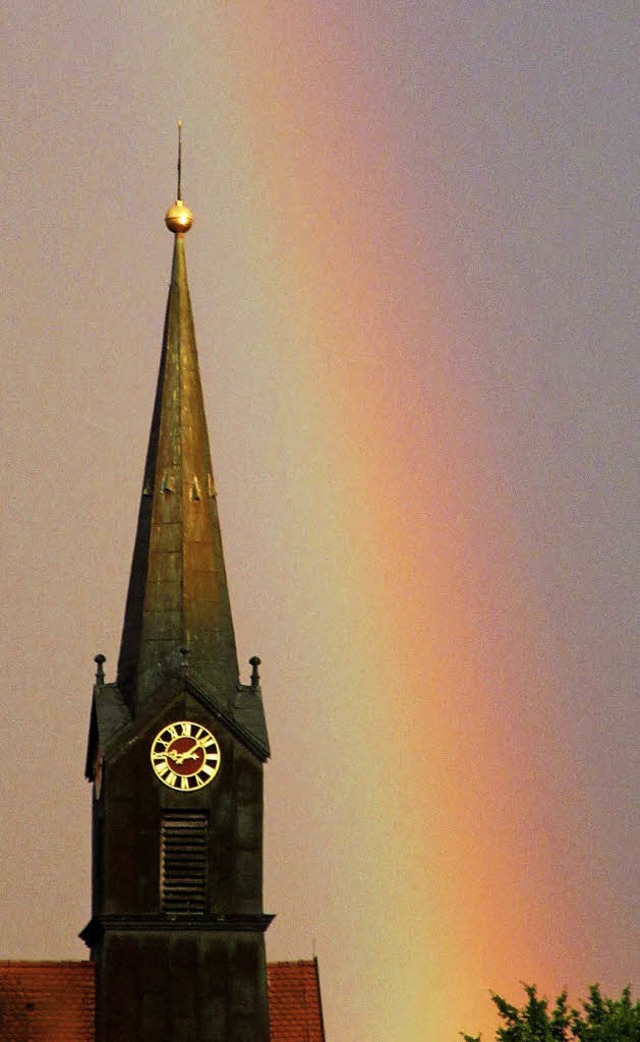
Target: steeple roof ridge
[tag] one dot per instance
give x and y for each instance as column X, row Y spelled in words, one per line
column 178, row 611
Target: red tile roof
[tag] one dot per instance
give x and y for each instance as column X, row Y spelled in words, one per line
column 42, row 1001
column 46, row 1001
column 295, row 1008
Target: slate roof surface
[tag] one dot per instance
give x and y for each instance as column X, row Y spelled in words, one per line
column 45, row 1001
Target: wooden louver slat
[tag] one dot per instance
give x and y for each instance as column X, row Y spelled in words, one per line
column 184, row 861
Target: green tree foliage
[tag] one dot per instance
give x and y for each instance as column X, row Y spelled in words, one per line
column 599, row 1020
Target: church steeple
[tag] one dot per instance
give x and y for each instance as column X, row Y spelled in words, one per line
column 178, row 607
column 176, row 750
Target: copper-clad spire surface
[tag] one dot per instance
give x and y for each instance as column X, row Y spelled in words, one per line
column 178, row 609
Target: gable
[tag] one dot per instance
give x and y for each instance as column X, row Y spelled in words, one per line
column 111, row 728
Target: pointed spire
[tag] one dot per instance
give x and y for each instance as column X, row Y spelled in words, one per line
column 178, row 597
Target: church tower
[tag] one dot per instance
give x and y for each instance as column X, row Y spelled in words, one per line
column 176, row 750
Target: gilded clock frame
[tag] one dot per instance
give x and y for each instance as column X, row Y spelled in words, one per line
column 160, row 756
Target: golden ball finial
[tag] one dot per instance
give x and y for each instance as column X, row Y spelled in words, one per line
column 178, row 217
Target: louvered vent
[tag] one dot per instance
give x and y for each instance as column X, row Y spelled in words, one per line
column 183, row 870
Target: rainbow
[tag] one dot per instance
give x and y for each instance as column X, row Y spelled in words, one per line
column 431, row 845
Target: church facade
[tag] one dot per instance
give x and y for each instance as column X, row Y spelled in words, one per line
column 176, row 752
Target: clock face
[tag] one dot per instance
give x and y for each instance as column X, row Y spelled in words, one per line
column 185, row 756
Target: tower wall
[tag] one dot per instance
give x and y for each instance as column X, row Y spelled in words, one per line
column 128, row 822
column 181, row 986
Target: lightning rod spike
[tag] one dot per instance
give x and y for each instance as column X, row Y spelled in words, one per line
column 179, row 159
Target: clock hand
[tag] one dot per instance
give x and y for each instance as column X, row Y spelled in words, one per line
column 181, row 757
column 188, row 754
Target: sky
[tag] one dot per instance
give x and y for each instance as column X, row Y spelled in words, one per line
column 413, row 271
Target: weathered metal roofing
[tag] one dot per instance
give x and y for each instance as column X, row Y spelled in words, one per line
column 109, row 715
column 178, row 597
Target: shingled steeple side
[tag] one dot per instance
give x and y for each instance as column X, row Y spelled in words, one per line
column 178, row 611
